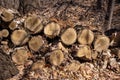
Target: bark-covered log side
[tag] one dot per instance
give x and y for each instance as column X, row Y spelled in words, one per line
column 7, row 68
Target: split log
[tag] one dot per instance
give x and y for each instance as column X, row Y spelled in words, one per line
column 85, row 36
column 56, row 57
column 69, row 36
column 84, row 52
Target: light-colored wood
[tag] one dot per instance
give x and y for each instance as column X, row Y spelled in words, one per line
column 38, row 65
column 69, row 36
column 36, row 43
column 101, row 43
column 19, row 37
column 33, row 24
column 84, row 52
column 7, row 16
column 94, row 54
column 13, row 25
column 52, row 30
column 5, row 33
column 20, row 56
column 56, row 57
column 74, row 66
column 85, row 36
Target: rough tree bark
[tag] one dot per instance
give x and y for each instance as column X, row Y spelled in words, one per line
column 7, row 68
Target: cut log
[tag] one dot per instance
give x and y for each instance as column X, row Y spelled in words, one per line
column 5, row 33
column 20, row 56
column 101, row 43
column 85, row 36
column 69, row 36
column 52, row 30
column 56, row 57
column 84, row 52
column 7, row 16
column 19, row 37
column 36, row 43
column 33, row 24
column 13, row 25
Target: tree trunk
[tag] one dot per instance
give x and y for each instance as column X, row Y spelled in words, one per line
column 7, row 68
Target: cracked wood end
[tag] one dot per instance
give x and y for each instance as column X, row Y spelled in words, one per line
column 85, row 36
column 52, row 30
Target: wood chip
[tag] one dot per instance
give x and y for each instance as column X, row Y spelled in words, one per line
column 56, row 57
